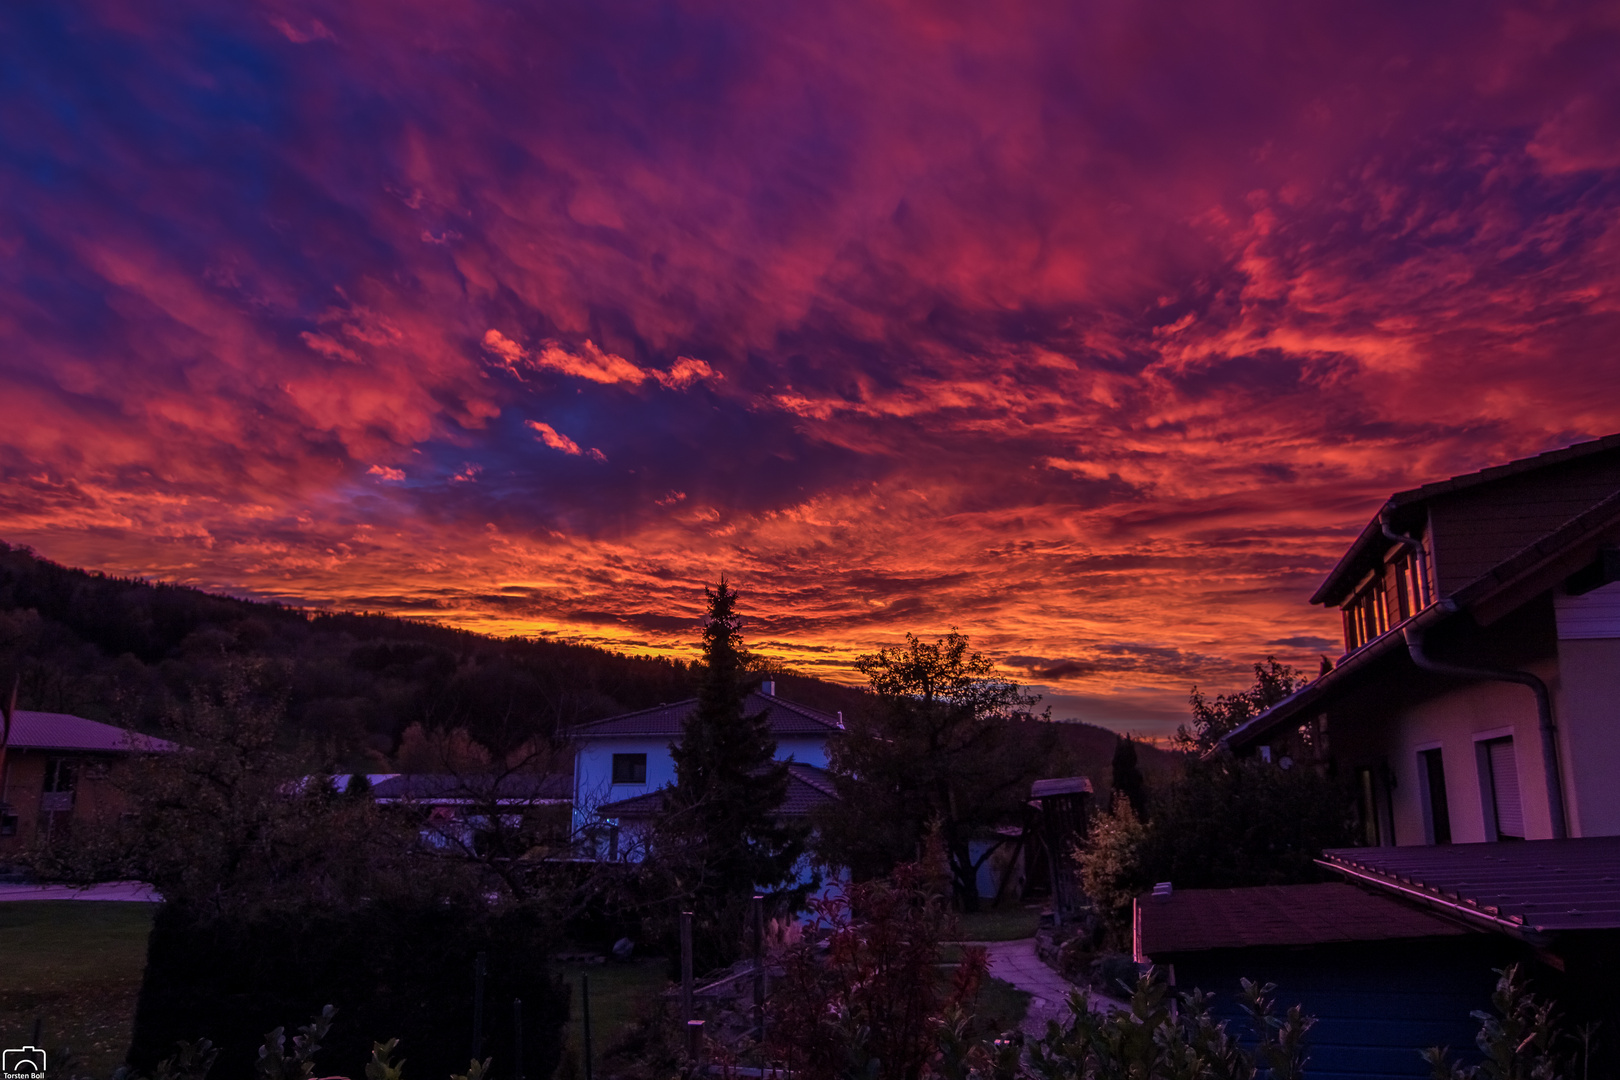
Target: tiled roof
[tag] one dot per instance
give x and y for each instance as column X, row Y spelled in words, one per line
column 1537, row 509
column 808, row 788
column 1534, row 885
column 443, row 787
column 61, row 731
column 1195, row 920
column 1529, row 567
column 665, row 721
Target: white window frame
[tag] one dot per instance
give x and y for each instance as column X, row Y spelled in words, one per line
column 1487, row 787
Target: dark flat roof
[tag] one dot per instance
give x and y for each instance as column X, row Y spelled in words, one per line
column 665, row 721
column 1533, row 885
column 808, row 788
column 1197, row 920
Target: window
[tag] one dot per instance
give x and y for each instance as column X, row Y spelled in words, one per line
column 1500, row 771
column 1366, row 616
column 629, row 768
column 1436, row 811
column 8, row 823
column 59, row 775
column 1367, row 808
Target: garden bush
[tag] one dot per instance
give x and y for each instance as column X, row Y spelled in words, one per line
column 390, row 968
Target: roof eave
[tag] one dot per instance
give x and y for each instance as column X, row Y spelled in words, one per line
column 1391, row 641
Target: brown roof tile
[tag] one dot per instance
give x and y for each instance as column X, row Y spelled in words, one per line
column 1539, row 885
column 1196, row 920
column 665, row 721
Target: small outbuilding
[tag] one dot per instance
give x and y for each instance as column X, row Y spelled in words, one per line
column 1385, row 979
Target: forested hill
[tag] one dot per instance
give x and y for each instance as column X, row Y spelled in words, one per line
column 127, row 651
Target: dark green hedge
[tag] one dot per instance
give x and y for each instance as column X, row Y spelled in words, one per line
column 391, row 970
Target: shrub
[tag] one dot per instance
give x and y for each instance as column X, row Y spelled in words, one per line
column 1112, row 871
column 1522, row 1041
column 861, row 994
column 387, row 966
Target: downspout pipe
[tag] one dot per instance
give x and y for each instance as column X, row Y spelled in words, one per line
column 1414, row 632
column 1425, row 584
column 1549, row 731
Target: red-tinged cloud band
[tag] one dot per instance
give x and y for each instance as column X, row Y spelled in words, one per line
column 1095, row 330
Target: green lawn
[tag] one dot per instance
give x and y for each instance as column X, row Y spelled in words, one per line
column 619, row 993
column 1000, row 924
column 75, row 966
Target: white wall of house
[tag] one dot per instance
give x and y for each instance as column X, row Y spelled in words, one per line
column 1456, row 723
column 1587, row 707
column 593, row 767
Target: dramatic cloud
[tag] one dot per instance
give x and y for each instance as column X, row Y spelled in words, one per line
column 1096, row 330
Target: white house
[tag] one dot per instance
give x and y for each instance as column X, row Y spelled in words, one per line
column 624, row 757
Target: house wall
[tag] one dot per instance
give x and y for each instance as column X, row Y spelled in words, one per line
column 95, row 797
column 1377, row 1003
column 1588, row 708
column 593, row 767
column 1455, row 722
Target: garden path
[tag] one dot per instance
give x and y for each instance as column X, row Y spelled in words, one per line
column 1015, row 962
column 111, row 890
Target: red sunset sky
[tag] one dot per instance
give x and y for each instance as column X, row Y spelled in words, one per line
column 1095, row 329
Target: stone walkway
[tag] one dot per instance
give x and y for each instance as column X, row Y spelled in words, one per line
column 1015, row 962
column 112, row 890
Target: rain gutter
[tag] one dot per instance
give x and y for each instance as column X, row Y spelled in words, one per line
column 1414, row 632
column 1430, row 896
column 1544, row 712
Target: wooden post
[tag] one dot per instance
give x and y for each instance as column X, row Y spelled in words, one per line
column 585, row 1012
column 759, row 968
column 694, row 1041
column 686, row 967
column 517, row 1039
column 480, row 965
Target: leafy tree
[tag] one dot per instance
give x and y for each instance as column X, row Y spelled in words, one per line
column 1127, row 775
column 1111, row 871
column 721, row 837
column 936, row 750
column 861, row 993
column 1213, row 720
column 1227, row 823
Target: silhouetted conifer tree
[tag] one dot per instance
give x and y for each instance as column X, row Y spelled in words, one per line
column 721, row 832
column 1128, row 779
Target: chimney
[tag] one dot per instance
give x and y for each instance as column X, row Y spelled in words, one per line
column 768, row 687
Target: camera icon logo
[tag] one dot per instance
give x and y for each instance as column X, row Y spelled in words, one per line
column 23, row 1063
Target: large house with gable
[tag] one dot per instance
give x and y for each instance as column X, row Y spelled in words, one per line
column 622, row 763
column 56, row 769
column 1477, row 696
column 1475, row 712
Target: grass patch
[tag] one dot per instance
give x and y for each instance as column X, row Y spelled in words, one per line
column 1000, row 1006
column 74, row 965
column 619, row 994
column 1000, row 924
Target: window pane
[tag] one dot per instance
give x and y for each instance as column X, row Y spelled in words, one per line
column 1439, row 810
column 629, row 768
column 1505, row 790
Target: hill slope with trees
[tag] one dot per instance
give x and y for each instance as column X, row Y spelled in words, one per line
column 127, row 651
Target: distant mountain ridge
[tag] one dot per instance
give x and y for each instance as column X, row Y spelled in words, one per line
column 125, row 651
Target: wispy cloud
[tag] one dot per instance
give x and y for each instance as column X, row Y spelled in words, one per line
column 1095, row 334
column 558, row 441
